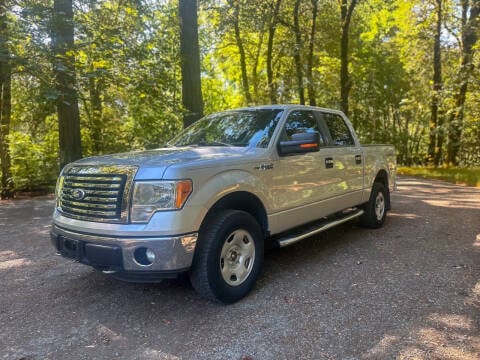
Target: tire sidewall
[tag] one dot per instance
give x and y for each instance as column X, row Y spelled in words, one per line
column 235, row 220
column 370, row 219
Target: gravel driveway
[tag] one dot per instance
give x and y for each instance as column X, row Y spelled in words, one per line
column 410, row 290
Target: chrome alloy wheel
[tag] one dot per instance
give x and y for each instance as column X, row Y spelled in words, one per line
column 237, row 257
column 379, row 206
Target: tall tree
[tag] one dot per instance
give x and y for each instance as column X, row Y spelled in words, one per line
column 190, row 61
column 311, row 46
column 272, row 27
column 346, row 11
column 436, row 118
column 470, row 27
column 95, row 89
column 256, row 60
column 295, row 27
column 298, row 51
column 6, row 186
column 238, row 39
column 64, row 69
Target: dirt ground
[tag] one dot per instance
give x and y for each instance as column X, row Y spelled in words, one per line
column 410, row 290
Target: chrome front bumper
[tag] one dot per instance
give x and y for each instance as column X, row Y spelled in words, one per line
column 117, row 255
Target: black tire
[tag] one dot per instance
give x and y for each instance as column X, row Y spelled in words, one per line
column 375, row 210
column 228, row 256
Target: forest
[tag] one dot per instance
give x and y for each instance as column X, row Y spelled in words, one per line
column 87, row 77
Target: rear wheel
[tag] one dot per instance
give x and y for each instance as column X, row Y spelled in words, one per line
column 375, row 211
column 228, row 257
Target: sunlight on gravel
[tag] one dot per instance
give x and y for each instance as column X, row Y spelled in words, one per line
column 403, row 215
column 452, row 321
column 455, row 203
column 477, row 241
column 6, row 261
column 444, row 337
column 8, row 264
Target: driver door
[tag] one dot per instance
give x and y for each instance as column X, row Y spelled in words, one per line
column 300, row 181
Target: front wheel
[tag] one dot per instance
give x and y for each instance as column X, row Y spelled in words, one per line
column 375, row 211
column 228, row 257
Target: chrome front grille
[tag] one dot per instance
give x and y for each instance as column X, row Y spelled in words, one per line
column 96, row 193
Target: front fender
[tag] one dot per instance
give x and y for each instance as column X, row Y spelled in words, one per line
column 211, row 190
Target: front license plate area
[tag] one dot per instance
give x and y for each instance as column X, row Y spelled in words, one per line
column 69, row 248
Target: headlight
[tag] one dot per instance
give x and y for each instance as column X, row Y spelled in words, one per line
column 152, row 196
column 58, row 189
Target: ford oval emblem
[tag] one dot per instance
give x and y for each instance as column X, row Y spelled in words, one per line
column 77, row 194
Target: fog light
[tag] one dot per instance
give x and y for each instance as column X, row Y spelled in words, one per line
column 150, row 255
column 144, row 256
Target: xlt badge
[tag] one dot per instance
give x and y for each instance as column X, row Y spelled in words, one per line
column 264, row 167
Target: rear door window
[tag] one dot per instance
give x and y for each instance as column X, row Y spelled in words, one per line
column 339, row 132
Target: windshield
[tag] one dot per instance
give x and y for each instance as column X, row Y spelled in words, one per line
column 252, row 128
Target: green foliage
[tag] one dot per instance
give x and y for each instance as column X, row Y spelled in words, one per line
column 127, row 67
column 470, row 147
column 35, row 160
column 152, row 126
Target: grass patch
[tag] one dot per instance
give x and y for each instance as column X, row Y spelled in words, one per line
column 465, row 176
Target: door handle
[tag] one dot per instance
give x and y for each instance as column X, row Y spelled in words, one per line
column 329, row 163
column 358, row 159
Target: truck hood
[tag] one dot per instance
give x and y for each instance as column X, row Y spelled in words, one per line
column 160, row 159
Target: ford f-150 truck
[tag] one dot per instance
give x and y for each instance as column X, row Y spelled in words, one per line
column 222, row 191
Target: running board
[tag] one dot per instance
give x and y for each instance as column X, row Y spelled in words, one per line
column 317, row 228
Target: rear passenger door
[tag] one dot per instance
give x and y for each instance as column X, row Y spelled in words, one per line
column 347, row 156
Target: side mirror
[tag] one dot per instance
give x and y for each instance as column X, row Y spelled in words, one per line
column 301, row 143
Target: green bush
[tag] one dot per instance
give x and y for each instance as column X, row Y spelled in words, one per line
column 457, row 175
column 34, row 163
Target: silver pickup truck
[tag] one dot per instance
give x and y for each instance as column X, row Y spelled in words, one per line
column 223, row 190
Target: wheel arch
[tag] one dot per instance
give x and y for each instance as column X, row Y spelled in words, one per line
column 382, row 178
column 244, row 201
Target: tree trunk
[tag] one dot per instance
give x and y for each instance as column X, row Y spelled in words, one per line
column 94, row 109
column 436, row 135
column 272, row 89
column 95, row 88
column 64, row 69
column 258, row 54
column 190, row 59
column 346, row 12
column 297, row 52
column 470, row 28
column 7, row 185
column 241, row 50
column 311, row 45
